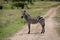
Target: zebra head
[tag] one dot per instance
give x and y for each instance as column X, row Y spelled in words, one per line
column 24, row 15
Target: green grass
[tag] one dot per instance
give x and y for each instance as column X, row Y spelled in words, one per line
column 58, row 20
column 10, row 29
column 43, row 4
column 6, row 6
column 10, row 21
column 40, row 4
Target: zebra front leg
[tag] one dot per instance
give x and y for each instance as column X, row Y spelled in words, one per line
column 28, row 28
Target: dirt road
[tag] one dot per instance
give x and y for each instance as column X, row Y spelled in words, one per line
column 50, row 32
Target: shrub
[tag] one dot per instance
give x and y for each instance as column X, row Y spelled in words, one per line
column 1, row 7
column 22, row 5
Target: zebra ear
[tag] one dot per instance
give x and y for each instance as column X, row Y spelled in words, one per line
column 24, row 10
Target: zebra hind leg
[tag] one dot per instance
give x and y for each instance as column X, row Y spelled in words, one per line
column 43, row 29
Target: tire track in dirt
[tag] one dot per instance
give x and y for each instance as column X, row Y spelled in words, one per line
column 50, row 33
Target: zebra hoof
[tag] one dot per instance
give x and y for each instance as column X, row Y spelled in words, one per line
column 42, row 32
column 28, row 32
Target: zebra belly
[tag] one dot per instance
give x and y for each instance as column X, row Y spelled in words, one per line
column 33, row 21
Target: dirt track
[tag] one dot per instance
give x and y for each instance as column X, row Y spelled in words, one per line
column 50, row 33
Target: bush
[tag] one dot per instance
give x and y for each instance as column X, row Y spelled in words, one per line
column 1, row 7
column 22, row 5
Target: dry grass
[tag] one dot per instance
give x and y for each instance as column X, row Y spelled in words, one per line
column 58, row 21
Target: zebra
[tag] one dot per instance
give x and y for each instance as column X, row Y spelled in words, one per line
column 33, row 20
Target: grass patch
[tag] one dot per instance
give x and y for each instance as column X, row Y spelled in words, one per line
column 10, row 29
column 58, row 30
column 10, row 22
column 58, row 20
column 6, row 6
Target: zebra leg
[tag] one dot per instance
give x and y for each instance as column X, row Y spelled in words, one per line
column 43, row 29
column 43, row 26
column 42, row 22
column 28, row 28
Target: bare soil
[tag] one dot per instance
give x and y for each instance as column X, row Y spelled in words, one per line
column 50, row 32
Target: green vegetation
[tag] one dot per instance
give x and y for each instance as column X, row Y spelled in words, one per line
column 58, row 20
column 10, row 21
column 21, row 4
